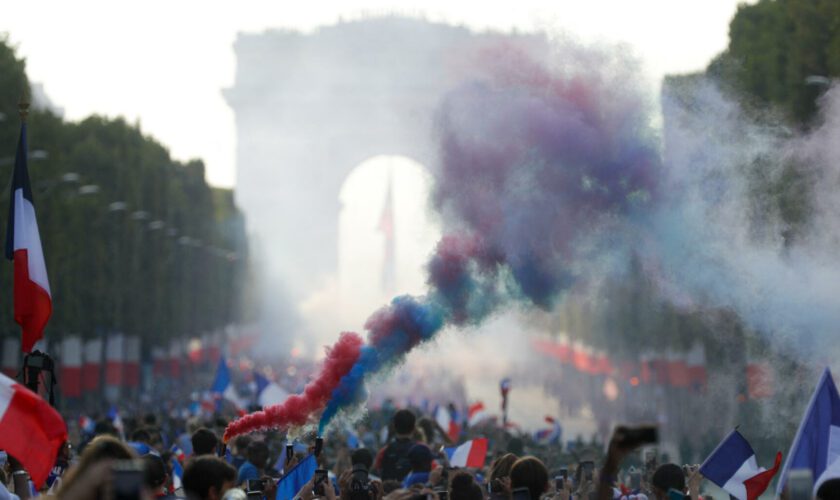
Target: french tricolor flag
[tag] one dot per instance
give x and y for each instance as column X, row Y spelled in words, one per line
column 443, row 416
column 470, row 454
column 732, row 466
column 32, row 299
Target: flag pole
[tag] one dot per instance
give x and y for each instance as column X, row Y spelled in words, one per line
column 34, row 362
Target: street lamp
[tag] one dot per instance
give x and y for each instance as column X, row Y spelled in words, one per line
column 88, row 189
column 117, row 206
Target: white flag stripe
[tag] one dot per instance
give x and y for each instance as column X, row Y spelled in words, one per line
column 27, row 238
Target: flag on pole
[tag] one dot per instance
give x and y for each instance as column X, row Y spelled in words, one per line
column 470, row 454
column 30, row 429
column 443, row 416
column 296, row 478
column 477, row 414
column 504, row 389
column 817, row 442
column 386, row 225
column 733, row 467
column 550, row 435
column 32, row 299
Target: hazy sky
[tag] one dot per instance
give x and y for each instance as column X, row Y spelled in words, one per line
column 164, row 62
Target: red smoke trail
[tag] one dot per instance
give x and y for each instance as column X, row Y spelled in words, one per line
column 297, row 409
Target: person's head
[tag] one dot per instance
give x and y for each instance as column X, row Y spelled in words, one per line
column 141, row 436
column 462, row 486
column 428, row 428
column 208, row 478
column 404, row 422
column 665, row 477
column 257, row 453
column 100, row 449
column 500, row 469
column 420, row 458
column 362, row 456
column 155, row 473
column 241, row 444
column 829, row 490
column 529, row 472
column 204, row 442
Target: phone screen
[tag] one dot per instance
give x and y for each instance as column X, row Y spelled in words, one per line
column 320, row 481
column 559, row 483
column 128, row 479
column 255, row 485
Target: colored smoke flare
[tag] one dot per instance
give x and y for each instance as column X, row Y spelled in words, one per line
column 536, row 165
column 298, row 409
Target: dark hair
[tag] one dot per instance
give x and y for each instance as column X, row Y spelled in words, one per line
column 141, row 436
column 155, row 471
column 362, row 456
column 202, row 473
column 420, row 457
column 150, row 419
column 529, row 472
column 204, row 442
column 829, row 489
column 501, row 466
column 258, row 453
column 404, row 421
column 669, row 476
column 241, row 443
column 462, row 486
column 428, row 427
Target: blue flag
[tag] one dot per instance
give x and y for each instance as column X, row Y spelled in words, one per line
column 818, row 438
column 296, row 478
column 222, row 380
column 261, row 382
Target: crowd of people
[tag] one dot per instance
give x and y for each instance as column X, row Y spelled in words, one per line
column 163, row 458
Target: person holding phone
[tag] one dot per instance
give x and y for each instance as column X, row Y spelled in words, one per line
column 319, row 486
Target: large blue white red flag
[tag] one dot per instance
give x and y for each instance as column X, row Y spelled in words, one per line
column 32, row 298
column 733, row 467
column 470, row 454
column 817, row 442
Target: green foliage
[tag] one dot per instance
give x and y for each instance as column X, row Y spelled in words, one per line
column 775, row 45
column 118, row 270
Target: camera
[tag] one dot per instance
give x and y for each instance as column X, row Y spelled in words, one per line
column 360, row 487
column 128, row 479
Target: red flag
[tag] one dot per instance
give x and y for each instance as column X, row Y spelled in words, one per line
column 30, row 429
column 32, row 298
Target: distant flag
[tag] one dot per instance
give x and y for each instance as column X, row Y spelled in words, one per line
column 86, row 425
column 30, row 429
column 291, row 483
column 817, row 441
column 386, row 225
column 504, row 389
column 477, row 414
column 116, row 421
column 32, row 298
column 177, row 453
column 268, row 392
column 733, row 467
column 470, row 454
column 223, row 386
column 550, row 435
column 177, row 474
column 445, row 420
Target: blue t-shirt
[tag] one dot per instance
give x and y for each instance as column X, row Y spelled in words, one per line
column 415, row 478
column 246, row 472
